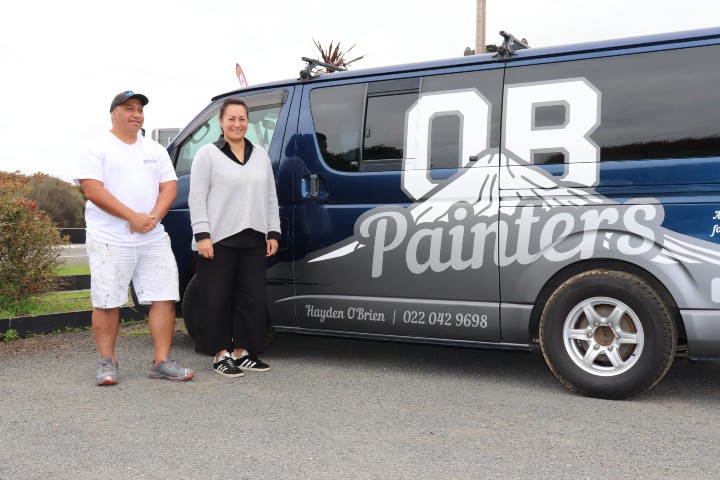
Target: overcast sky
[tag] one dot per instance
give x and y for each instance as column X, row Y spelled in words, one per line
column 63, row 61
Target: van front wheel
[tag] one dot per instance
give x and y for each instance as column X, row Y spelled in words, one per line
column 191, row 315
column 144, row 309
column 607, row 334
column 190, row 308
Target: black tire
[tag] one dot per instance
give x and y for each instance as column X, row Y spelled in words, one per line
column 190, row 308
column 144, row 309
column 607, row 334
column 270, row 333
column 191, row 316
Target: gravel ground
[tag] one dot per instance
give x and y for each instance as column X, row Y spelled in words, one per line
column 337, row 408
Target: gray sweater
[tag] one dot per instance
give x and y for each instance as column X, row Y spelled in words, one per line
column 226, row 198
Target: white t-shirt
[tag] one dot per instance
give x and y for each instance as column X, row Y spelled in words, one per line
column 132, row 173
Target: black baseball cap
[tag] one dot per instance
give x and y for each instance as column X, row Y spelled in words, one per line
column 127, row 95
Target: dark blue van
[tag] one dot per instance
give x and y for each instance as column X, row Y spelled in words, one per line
column 565, row 198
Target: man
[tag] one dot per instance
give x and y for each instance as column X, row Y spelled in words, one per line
column 130, row 184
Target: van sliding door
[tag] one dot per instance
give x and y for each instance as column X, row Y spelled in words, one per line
column 396, row 206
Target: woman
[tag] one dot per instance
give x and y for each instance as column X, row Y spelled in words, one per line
column 235, row 223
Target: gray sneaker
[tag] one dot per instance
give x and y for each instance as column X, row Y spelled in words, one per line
column 107, row 372
column 169, row 370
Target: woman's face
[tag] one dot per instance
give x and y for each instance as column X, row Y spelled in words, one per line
column 234, row 123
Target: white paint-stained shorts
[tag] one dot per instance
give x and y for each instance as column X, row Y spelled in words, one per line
column 151, row 268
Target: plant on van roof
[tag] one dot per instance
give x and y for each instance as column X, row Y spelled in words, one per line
column 335, row 56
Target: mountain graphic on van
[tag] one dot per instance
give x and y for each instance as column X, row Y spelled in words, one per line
column 501, row 197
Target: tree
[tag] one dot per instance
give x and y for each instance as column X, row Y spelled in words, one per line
column 62, row 201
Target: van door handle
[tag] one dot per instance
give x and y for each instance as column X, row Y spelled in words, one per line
column 314, row 187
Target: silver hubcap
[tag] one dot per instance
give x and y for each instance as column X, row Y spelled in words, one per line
column 603, row 336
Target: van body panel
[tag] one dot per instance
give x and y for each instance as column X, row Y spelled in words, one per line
column 280, row 275
column 702, row 329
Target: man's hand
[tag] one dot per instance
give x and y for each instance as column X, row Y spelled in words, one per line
column 142, row 222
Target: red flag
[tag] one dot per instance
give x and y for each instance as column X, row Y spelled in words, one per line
column 240, row 75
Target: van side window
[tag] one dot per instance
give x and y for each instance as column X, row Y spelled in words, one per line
column 387, row 103
column 264, row 111
column 348, row 143
column 261, row 125
column 376, row 142
column 658, row 105
column 208, row 132
column 337, row 115
column 445, row 138
column 446, row 129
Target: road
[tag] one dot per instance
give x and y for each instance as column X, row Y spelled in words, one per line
column 339, row 408
column 74, row 254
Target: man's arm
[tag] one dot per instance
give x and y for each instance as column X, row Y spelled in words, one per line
column 96, row 192
column 168, row 192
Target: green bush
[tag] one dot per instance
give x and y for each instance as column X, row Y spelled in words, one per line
column 62, row 201
column 29, row 243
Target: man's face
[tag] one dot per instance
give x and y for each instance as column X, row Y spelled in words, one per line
column 128, row 117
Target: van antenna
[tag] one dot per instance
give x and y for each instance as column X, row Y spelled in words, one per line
column 312, row 64
column 509, row 45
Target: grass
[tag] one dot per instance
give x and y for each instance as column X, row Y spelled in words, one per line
column 130, row 328
column 137, row 333
column 65, row 271
column 9, row 336
column 58, row 302
column 61, row 302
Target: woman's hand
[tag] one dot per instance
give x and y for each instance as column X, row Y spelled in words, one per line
column 272, row 247
column 205, row 248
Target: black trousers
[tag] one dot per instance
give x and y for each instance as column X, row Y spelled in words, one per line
column 231, row 299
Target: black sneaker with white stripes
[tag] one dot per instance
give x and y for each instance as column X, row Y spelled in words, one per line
column 226, row 367
column 251, row 363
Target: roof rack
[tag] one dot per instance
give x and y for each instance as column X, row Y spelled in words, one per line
column 312, row 64
column 509, row 45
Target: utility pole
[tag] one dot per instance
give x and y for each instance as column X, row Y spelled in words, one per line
column 480, row 28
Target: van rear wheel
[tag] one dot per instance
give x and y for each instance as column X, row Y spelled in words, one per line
column 607, row 334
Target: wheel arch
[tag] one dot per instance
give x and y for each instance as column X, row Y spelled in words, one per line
column 570, row 271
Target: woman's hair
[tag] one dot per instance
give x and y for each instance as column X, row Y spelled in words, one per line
column 233, row 101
